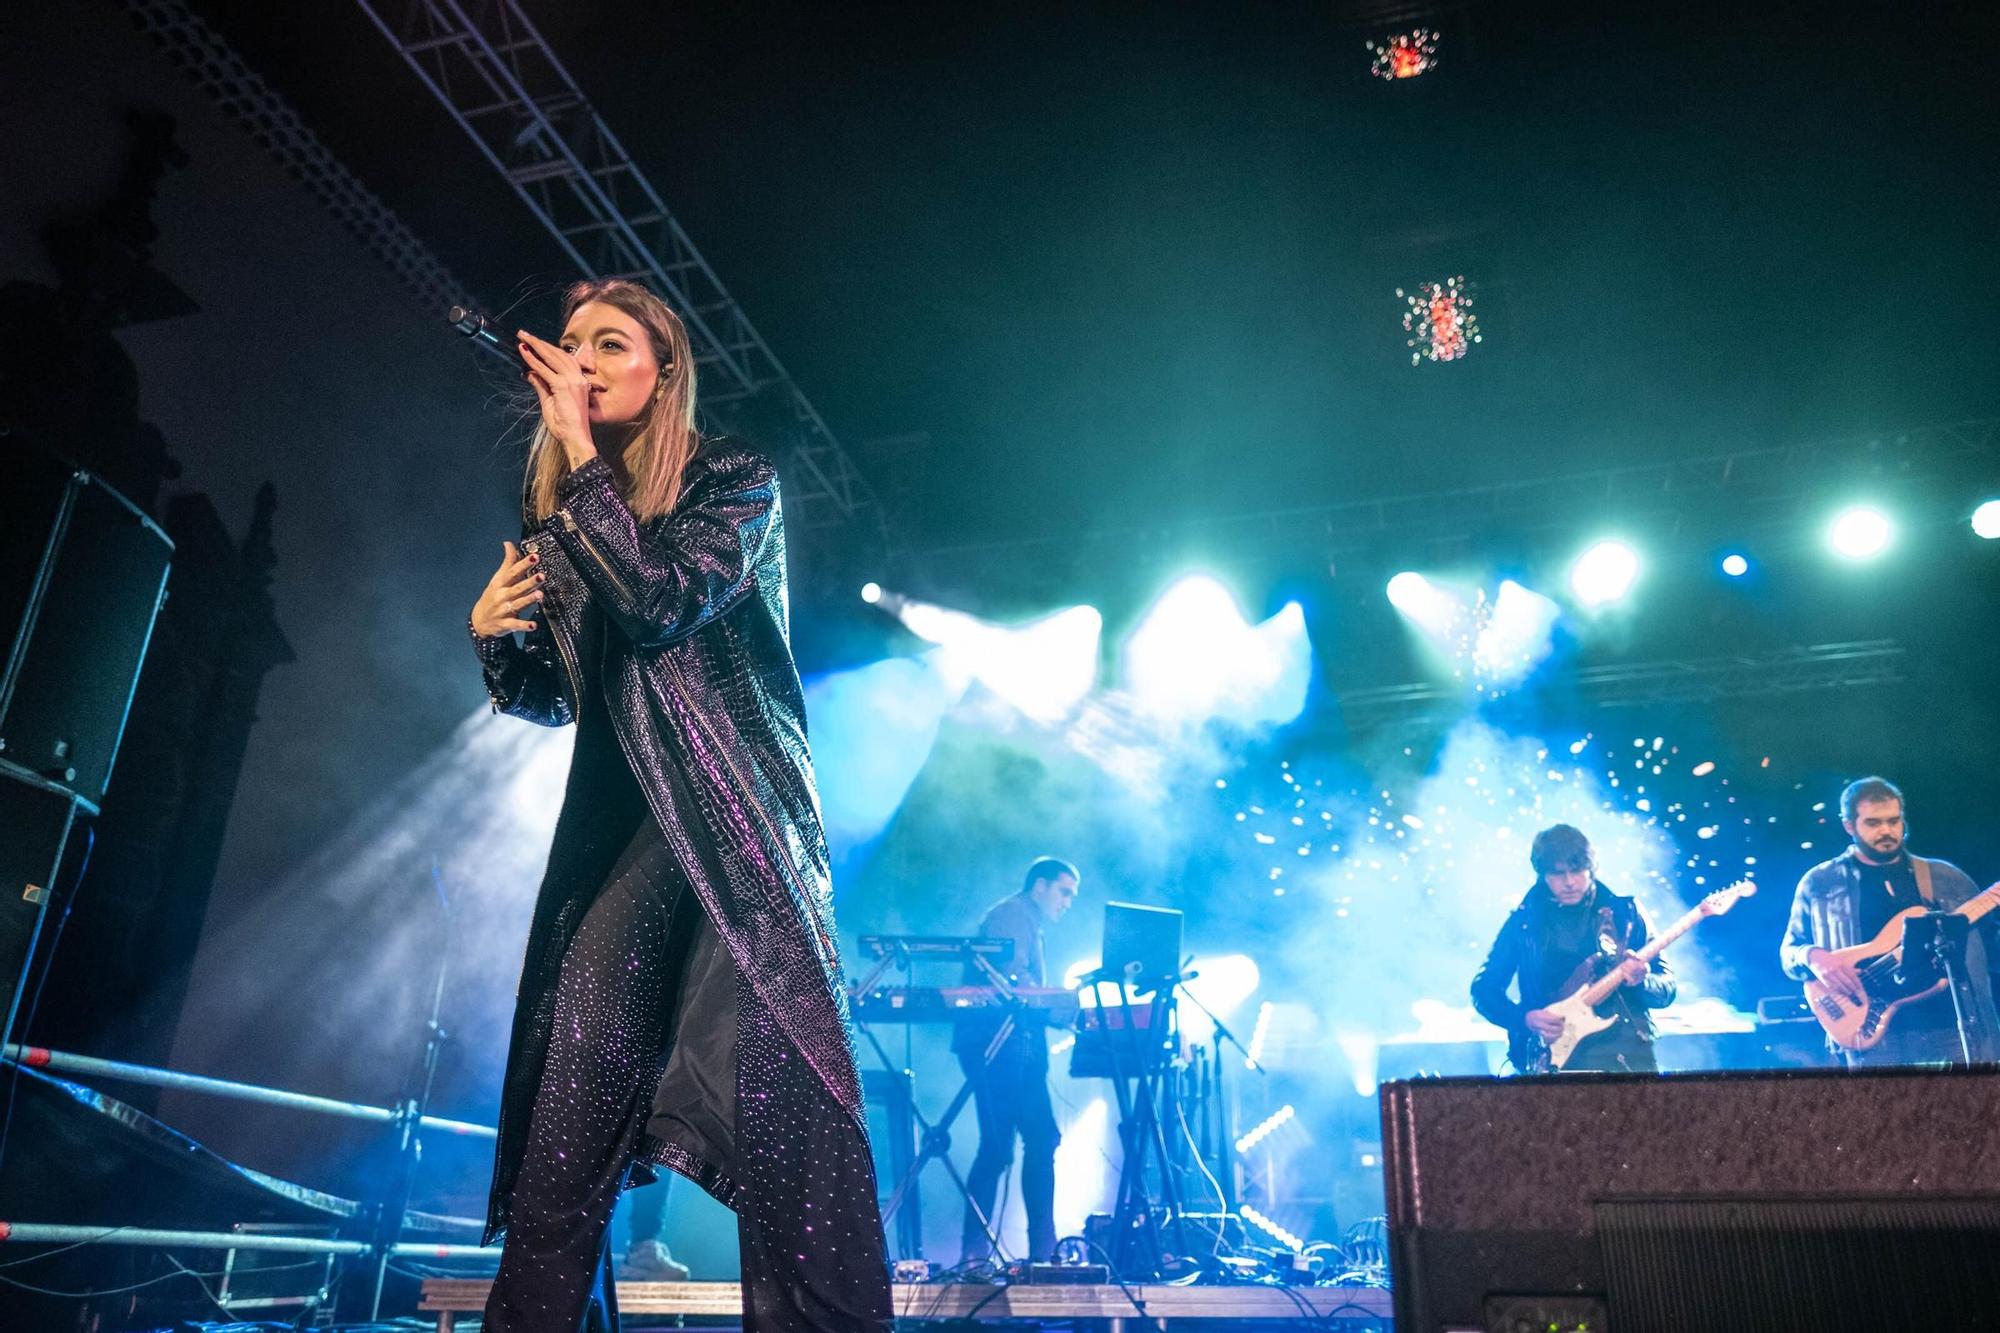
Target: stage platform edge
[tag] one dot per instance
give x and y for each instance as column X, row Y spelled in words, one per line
column 448, row 1298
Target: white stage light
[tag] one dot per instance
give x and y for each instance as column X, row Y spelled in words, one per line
column 1044, row 669
column 1986, row 520
column 1516, row 636
column 1259, row 1034
column 1604, row 574
column 1441, row 612
column 871, row 592
column 1408, row 591
column 1223, row 984
column 1194, row 658
column 1860, row 533
column 1271, row 1228
column 1264, row 1128
column 1735, row 565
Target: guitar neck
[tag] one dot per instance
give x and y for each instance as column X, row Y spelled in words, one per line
column 1980, row 903
column 1600, row 990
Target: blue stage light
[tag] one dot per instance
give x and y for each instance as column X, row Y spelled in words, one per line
column 1735, row 565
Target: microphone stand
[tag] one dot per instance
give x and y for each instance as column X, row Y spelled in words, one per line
column 410, row 1110
column 1225, row 1113
column 1940, row 938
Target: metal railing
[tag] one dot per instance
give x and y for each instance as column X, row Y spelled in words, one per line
column 408, row 1118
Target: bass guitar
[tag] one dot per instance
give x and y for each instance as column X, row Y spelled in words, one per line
column 1886, row 984
column 1578, row 1008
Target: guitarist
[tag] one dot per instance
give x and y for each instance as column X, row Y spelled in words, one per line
column 1849, row 899
column 1568, row 931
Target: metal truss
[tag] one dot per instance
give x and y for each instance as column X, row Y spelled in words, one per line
column 213, row 66
column 1794, row 670
column 492, row 70
column 1750, row 489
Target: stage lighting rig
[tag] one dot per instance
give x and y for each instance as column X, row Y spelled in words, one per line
column 1604, row 574
column 1860, row 532
column 1735, row 565
column 1986, row 520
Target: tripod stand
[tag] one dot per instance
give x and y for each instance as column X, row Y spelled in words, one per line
column 1137, row 1044
column 934, row 1141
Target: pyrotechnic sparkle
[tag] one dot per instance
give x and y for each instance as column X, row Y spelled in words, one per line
column 1404, row 55
column 1439, row 320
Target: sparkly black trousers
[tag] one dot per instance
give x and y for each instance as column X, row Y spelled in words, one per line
column 801, row 1180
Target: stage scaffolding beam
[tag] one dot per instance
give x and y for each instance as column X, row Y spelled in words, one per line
column 1749, row 491
column 1793, row 670
column 212, row 65
column 493, row 71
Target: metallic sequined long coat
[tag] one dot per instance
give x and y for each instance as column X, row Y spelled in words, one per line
column 709, row 710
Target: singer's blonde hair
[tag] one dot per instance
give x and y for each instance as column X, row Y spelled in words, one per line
column 664, row 438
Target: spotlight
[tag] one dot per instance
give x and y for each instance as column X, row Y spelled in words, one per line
column 871, row 592
column 1436, row 610
column 1408, row 590
column 1194, row 658
column 1860, row 533
column 1604, row 574
column 1043, row 669
column 1986, row 520
column 1735, row 565
column 1514, row 636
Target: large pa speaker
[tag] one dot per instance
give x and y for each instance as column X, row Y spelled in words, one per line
column 35, row 820
column 1805, row 1199
column 82, row 575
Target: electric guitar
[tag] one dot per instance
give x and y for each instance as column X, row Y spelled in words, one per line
column 1578, row 1008
column 1858, row 1025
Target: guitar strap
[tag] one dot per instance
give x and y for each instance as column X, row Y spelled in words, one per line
column 1922, row 870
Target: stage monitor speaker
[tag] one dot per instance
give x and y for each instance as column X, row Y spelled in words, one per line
column 1767, row 1201
column 35, row 819
column 82, row 575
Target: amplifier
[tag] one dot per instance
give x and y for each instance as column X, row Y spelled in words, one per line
column 1766, row 1201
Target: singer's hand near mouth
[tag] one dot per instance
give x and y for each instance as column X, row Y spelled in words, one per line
column 564, row 391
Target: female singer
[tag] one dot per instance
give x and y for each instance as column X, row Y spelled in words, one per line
column 682, row 1003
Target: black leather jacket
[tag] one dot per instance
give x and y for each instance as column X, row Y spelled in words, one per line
column 1518, row 955
column 710, row 712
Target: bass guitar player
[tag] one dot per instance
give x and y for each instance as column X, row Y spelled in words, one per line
column 1843, row 904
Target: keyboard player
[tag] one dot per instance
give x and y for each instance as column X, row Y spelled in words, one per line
column 1006, row 1060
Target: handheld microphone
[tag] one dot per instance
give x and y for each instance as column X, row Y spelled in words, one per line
column 482, row 332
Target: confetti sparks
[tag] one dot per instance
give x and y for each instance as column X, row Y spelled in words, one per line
column 1404, row 55
column 1439, row 320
